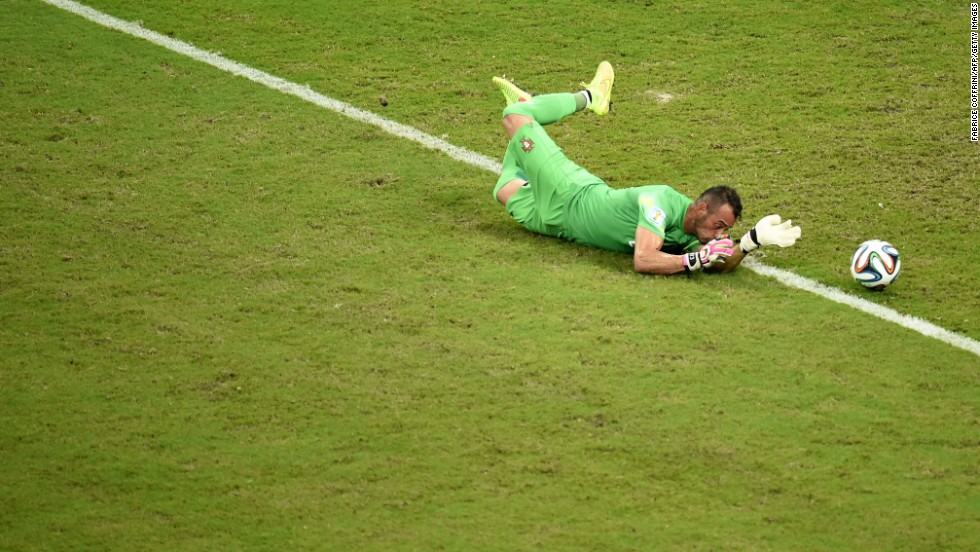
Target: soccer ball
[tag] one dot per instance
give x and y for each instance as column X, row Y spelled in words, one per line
column 875, row 264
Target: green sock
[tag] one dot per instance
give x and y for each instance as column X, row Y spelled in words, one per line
column 546, row 108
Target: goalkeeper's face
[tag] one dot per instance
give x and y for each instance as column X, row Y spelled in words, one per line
column 710, row 224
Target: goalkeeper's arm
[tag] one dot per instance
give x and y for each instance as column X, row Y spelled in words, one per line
column 649, row 259
column 771, row 230
column 731, row 263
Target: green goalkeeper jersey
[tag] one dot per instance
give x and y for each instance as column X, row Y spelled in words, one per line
column 562, row 199
column 603, row 217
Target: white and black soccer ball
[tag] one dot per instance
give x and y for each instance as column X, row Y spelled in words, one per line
column 875, row 264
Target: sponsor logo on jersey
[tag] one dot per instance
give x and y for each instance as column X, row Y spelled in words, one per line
column 527, row 145
column 655, row 215
column 658, row 217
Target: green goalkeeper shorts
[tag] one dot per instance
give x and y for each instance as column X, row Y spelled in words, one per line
column 553, row 180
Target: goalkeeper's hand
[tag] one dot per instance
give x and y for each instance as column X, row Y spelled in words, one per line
column 713, row 253
column 771, row 230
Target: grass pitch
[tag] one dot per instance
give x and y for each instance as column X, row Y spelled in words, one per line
column 231, row 320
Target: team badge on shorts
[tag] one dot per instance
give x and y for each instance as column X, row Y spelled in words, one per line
column 527, row 145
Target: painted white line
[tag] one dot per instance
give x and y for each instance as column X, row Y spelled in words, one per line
column 481, row 161
column 915, row 324
column 282, row 85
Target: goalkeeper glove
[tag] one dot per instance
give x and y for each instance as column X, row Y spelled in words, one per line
column 771, row 230
column 712, row 253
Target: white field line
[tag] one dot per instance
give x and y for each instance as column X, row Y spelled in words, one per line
column 915, row 324
column 276, row 83
column 481, row 161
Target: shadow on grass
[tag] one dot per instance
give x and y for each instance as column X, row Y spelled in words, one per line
column 525, row 243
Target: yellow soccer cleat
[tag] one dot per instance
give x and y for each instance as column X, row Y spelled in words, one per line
column 601, row 89
column 511, row 92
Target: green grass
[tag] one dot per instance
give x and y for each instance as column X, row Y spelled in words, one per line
column 233, row 320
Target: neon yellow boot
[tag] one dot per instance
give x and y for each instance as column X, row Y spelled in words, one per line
column 511, row 92
column 601, row 88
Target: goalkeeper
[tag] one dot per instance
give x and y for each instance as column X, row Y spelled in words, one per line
column 666, row 232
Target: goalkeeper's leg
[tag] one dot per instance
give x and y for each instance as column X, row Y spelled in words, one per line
column 523, row 164
column 551, row 108
column 544, row 109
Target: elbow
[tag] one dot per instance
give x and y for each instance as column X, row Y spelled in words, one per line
column 641, row 265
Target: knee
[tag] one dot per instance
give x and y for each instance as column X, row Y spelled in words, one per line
column 513, row 122
column 504, row 193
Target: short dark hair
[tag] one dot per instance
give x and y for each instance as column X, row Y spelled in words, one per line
column 719, row 195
